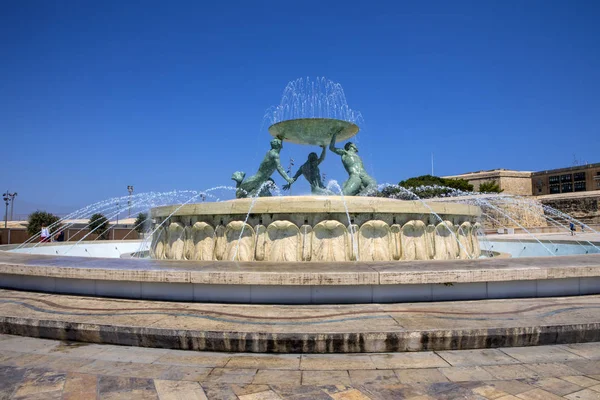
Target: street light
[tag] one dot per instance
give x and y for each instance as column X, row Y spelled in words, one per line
column 130, row 190
column 9, row 198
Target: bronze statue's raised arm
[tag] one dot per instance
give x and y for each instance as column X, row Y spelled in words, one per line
column 333, row 148
column 322, row 157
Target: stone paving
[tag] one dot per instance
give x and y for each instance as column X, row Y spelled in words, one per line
column 303, row 329
column 32, row 368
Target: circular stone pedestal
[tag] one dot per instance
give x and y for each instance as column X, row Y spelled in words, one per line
column 316, row 229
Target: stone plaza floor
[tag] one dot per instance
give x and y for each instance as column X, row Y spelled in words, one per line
column 32, row 368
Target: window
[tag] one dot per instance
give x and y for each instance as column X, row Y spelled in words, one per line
column 566, row 187
column 566, row 178
column 556, row 189
column 553, row 179
column 579, row 176
column 580, row 186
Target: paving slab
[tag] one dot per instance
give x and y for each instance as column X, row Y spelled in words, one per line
column 583, row 381
column 41, row 375
column 549, row 370
column 459, row 358
column 586, row 350
column 557, row 386
column 463, row 374
column 540, row 354
column 508, row 372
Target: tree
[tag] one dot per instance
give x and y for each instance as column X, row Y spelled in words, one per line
column 428, row 186
column 99, row 225
column 490, row 187
column 37, row 218
column 141, row 222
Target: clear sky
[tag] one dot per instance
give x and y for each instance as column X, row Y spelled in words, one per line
column 98, row 95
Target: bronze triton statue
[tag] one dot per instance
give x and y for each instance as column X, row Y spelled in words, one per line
column 359, row 182
column 260, row 183
column 310, row 171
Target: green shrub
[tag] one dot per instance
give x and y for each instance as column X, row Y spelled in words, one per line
column 428, row 186
column 141, row 222
column 490, row 187
column 99, row 225
column 37, row 218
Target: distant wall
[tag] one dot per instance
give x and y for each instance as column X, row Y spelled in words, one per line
column 19, row 235
column 582, row 206
column 512, row 182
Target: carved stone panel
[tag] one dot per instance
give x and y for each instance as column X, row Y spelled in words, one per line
column 414, row 242
column 306, row 240
column 396, row 241
column 203, row 239
column 283, row 242
column 220, row 242
column 353, row 246
column 330, row 241
column 375, row 241
column 464, row 238
column 176, row 235
column 475, row 232
column 430, row 237
column 188, row 243
column 236, row 248
column 159, row 241
column 261, row 241
column 446, row 246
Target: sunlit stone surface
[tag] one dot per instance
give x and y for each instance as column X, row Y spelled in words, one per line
column 316, row 228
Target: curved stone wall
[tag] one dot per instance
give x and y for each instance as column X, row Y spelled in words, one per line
column 315, row 229
column 327, row 241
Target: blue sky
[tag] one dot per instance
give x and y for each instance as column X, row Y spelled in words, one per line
column 95, row 96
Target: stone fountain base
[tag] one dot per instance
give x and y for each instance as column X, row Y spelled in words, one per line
column 316, row 229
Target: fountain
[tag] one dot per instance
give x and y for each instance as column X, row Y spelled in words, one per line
column 341, row 244
column 324, row 227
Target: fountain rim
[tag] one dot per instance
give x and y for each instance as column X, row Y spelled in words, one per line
column 350, row 130
column 311, row 204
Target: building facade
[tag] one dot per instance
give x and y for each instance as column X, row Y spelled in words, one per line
column 512, row 182
column 582, row 178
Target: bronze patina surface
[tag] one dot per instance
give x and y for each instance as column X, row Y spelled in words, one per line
column 313, row 131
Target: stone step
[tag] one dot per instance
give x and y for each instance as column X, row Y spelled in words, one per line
column 304, row 328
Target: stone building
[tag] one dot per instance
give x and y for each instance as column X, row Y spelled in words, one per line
column 572, row 190
column 583, row 178
column 512, row 182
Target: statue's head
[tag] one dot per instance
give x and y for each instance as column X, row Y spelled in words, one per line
column 276, row 144
column 312, row 157
column 238, row 176
column 351, row 146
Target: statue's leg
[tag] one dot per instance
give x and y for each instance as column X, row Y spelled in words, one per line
column 369, row 185
column 351, row 186
column 252, row 185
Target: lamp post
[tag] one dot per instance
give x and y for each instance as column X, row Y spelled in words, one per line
column 12, row 205
column 8, row 199
column 130, row 190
